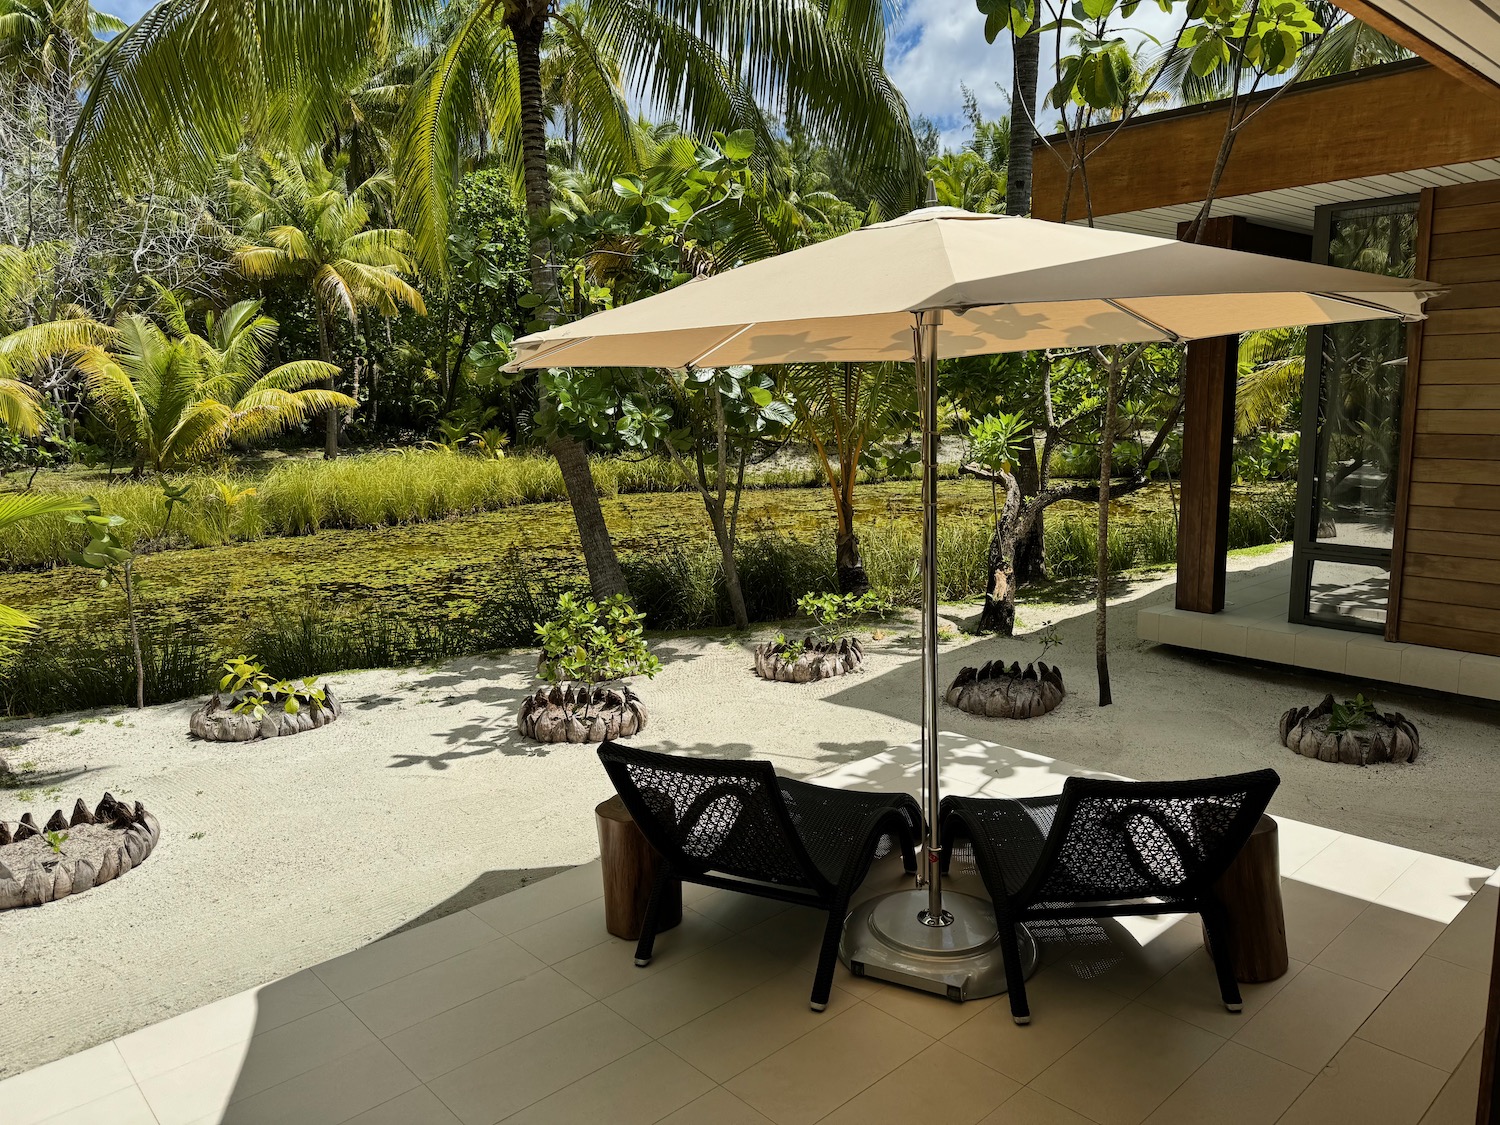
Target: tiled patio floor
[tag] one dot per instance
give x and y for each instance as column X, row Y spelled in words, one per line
column 1254, row 624
column 523, row 1010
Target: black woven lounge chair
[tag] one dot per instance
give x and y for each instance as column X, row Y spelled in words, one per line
column 1105, row 849
column 738, row 826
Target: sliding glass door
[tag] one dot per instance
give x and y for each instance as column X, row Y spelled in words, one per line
column 1351, row 416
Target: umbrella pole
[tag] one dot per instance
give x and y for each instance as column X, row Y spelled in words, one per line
column 926, row 364
column 917, row 937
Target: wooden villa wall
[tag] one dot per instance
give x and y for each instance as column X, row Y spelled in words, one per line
column 1445, row 585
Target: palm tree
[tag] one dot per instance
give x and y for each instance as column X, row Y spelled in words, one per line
column 176, row 396
column 44, row 41
column 310, row 230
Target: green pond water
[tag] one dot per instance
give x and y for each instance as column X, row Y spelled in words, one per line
column 441, row 570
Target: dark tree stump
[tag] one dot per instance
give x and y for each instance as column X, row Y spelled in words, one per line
column 1251, row 893
column 815, row 660
column 1386, row 737
column 1000, row 692
column 577, row 712
column 630, row 865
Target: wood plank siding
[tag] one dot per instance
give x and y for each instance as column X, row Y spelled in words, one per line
column 1446, row 564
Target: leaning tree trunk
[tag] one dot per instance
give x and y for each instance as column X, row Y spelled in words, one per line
column 1101, row 593
column 999, row 613
column 605, row 576
column 128, row 582
column 1031, row 551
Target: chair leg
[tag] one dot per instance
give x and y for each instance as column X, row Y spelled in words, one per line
column 1220, row 937
column 1015, row 975
column 829, row 954
column 908, row 852
column 653, row 917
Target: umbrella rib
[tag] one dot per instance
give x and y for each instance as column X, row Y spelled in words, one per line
column 1383, row 310
column 740, row 331
column 1171, row 337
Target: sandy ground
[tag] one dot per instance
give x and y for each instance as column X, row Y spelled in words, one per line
column 279, row 855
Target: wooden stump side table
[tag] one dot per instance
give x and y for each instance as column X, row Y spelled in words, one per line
column 630, row 864
column 1251, row 893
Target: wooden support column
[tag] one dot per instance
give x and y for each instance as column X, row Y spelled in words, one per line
column 1211, row 371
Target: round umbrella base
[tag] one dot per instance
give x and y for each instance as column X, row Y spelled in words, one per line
column 887, row 939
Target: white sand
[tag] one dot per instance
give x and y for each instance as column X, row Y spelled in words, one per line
column 422, row 798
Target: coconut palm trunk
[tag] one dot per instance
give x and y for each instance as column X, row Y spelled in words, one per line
column 330, row 417
column 526, row 26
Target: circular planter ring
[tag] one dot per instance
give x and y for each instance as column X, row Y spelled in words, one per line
column 1388, row 737
column 1000, row 692
column 817, row 660
column 217, row 721
column 101, row 845
column 578, row 712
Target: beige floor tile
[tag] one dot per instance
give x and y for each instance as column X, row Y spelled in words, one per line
column 1356, row 866
column 123, row 1107
column 717, row 1107
column 195, row 1090
column 606, row 968
column 738, row 912
column 698, row 984
column 418, row 1106
column 1456, row 1104
column 1237, row 1086
column 1433, row 1015
column 796, row 931
column 1129, row 1066
column 63, row 1085
column 1028, row 1107
column 1469, row 940
column 940, row 1084
column 1299, row 841
column 385, row 960
column 1307, row 1022
column 506, row 1081
column 464, row 1033
column 545, row 899
column 639, row 1089
column 754, row 1025
column 1064, row 1011
column 1379, row 946
column 564, row 935
column 1434, row 887
column 1272, row 641
column 1367, row 1085
column 245, row 1069
column 425, row 993
column 1315, row 916
column 1134, row 953
column 926, row 1011
column 329, row 1094
column 1191, row 992
column 808, row 1079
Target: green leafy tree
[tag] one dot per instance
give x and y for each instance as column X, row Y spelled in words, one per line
column 115, row 563
column 173, row 396
column 305, row 227
column 593, row 642
column 51, row 43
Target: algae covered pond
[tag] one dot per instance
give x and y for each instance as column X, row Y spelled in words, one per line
column 443, row 570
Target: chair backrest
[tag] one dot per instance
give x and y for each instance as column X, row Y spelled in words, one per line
column 1141, row 839
column 711, row 815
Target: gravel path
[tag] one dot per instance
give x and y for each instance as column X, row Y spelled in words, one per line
column 422, row 799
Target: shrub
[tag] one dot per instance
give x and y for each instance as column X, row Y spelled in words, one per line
column 593, row 642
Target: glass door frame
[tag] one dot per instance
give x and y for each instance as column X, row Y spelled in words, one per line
column 1306, row 549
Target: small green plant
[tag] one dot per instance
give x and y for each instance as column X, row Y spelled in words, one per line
column 253, row 692
column 1048, row 637
column 115, row 563
column 1351, row 714
column 171, row 496
column 593, row 642
column 196, row 835
column 55, row 841
column 947, row 633
column 832, row 614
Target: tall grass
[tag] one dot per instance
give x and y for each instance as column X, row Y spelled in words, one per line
column 361, row 491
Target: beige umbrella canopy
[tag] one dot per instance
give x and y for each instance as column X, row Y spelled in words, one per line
column 944, row 283
column 1008, row 284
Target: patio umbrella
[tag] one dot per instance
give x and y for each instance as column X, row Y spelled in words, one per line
column 943, row 283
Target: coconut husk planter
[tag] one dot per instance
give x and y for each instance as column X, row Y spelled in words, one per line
column 578, row 712
column 1386, row 737
column 101, row 845
column 217, row 721
column 816, row 660
column 998, row 691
